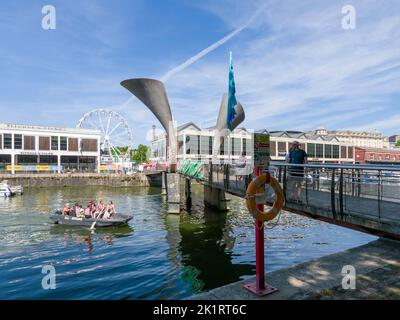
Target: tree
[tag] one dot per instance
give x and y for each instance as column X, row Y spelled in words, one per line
column 398, row 143
column 141, row 154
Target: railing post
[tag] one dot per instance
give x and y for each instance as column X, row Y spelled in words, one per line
column 333, row 193
column 341, row 192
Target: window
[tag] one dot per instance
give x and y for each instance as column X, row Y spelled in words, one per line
column 192, row 144
column 235, row 146
column 244, row 150
column 72, row 144
column 54, row 143
column 210, row 145
column 319, row 150
column 7, row 141
column 350, row 153
column 29, row 143
column 222, row 148
column 272, row 148
column 18, row 141
column 44, row 143
column 388, row 157
column 372, row 156
column 343, row 152
column 311, row 150
column 328, row 151
column 335, row 151
column 281, row 149
column 205, row 145
column 1, row 141
column 180, row 144
column 63, row 143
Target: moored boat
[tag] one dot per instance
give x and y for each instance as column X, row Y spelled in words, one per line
column 117, row 219
column 5, row 190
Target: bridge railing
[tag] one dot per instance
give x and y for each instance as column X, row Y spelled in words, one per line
column 343, row 190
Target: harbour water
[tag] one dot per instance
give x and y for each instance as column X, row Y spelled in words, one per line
column 157, row 256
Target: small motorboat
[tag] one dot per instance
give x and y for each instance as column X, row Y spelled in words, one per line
column 117, row 219
column 5, row 190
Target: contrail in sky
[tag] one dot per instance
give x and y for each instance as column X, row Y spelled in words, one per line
column 211, row 48
column 204, row 52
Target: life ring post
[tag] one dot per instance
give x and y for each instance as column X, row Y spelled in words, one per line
column 259, row 287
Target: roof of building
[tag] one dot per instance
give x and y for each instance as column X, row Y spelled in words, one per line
column 23, row 127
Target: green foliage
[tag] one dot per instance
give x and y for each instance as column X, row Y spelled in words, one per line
column 398, row 143
column 141, row 154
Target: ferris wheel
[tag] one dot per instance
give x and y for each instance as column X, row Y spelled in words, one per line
column 116, row 136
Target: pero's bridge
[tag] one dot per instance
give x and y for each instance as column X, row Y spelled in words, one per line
column 365, row 198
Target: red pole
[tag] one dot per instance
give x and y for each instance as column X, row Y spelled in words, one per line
column 259, row 287
column 259, row 231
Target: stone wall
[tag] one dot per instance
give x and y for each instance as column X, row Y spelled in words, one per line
column 81, row 179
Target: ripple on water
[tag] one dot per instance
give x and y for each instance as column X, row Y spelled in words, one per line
column 158, row 256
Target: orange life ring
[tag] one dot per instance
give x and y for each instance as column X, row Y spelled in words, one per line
column 251, row 192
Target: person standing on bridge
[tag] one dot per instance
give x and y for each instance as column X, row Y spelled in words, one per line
column 296, row 156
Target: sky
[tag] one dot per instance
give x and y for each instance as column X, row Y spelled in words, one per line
column 296, row 67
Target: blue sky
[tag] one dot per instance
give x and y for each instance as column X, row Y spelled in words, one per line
column 295, row 66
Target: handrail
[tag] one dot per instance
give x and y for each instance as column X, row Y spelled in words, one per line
column 338, row 166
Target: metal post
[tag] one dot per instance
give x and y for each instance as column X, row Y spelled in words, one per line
column 259, row 287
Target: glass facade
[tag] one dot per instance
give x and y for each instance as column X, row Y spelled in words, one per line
column 7, row 141
column 17, row 141
column 54, row 143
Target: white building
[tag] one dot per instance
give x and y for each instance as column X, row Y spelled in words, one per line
column 196, row 143
column 27, row 148
column 361, row 139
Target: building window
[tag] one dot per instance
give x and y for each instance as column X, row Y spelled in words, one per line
column 89, row 145
column 222, row 148
column 233, row 146
column 18, row 141
column 350, row 153
column 343, row 152
column 319, row 150
column 281, row 149
column 54, row 143
column 311, row 150
column 388, row 157
column 29, row 143
column 72, row 144
column 380, row 157
column 7, row 141
column 210, row 145
column 63, row 143
column 244, row 148
column 372, row 156
column 1, row 141
column 272, row 148
column 328, row 151
column 44, row 143
column 205, row 145
column 335, row 151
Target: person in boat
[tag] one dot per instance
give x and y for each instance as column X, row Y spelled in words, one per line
column 110, row 210
column 93, row 209
column 67, row 210
column 101, row 208
column 77, row 209
column 88, row 212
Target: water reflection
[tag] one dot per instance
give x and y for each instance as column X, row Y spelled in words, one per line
column 83, row 236
column 206, row 248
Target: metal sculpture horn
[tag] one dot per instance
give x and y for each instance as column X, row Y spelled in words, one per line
column 221, row 129
column 154, row 96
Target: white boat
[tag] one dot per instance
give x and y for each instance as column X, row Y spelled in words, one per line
column 5, row 190
column 14, row 189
